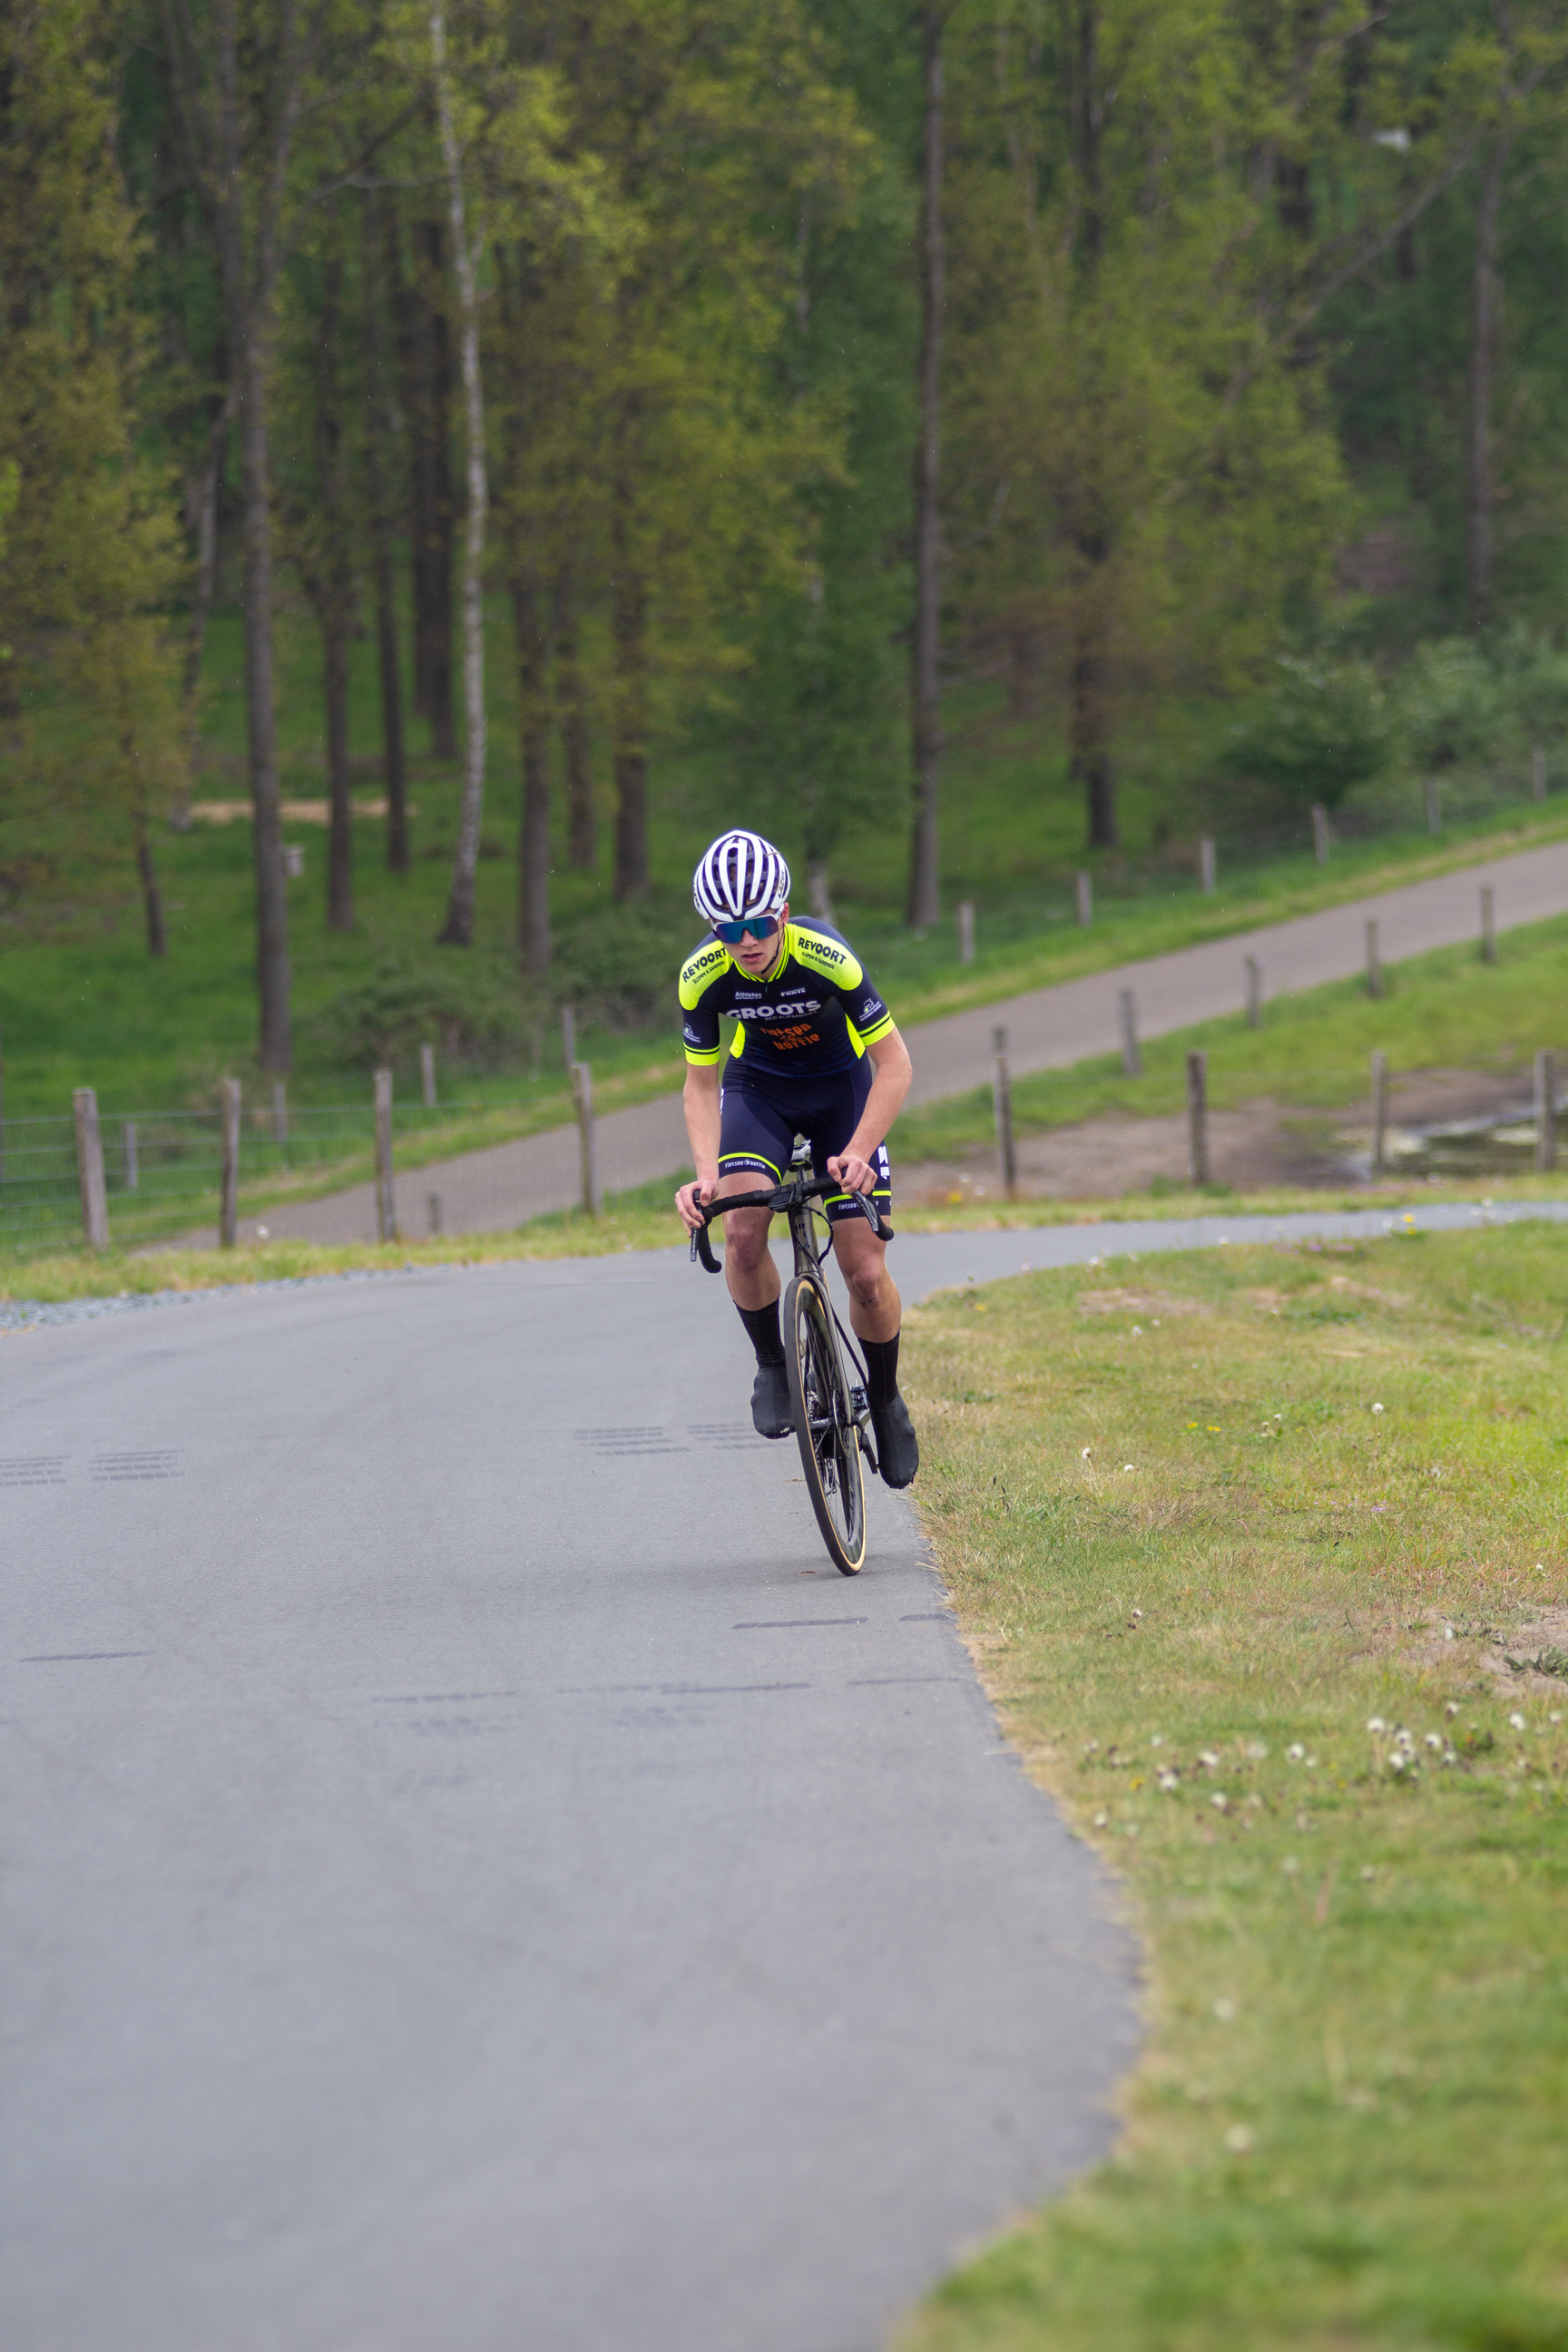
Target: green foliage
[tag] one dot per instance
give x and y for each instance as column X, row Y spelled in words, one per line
column 1450, row 704
column 1323, row 728
column 471, row 1008
column 90, row 557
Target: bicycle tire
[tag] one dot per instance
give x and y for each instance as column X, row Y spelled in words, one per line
column 824, row 1423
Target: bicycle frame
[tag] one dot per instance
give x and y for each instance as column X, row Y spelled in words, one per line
column 792, row 1199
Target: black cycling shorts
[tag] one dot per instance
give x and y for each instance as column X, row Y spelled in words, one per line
column 758, row 1126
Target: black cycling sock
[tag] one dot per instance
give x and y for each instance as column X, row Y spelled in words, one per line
column 881, row 1370
column 764, row 1331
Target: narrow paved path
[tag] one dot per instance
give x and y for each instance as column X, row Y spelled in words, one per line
column 475, row 1876
column 1048, row 1029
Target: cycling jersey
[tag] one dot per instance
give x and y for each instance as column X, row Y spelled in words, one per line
column 816, row 1013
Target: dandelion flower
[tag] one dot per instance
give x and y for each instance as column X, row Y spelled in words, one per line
column 1127, row 1466
column 1377, row 1408
column 1084, row 1456
column 1220, row 1801
column 1206, row 1756
column 1396, row 1762
column 1239, row 2140
column 1294, row 1753
column 1168, row 1780
column 1517, row 1722
column 1311, row 1763
column 1434, row 1739
column 1375, row 1723
column 1100, row 1820
column 1137, row 1330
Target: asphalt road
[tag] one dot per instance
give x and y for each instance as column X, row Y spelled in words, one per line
column 475, row 1876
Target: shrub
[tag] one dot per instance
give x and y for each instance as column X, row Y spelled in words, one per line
column 1322, row 728
column 1450, row 704
column 471, row 1005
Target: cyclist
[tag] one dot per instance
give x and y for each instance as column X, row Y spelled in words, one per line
column 814, row 1054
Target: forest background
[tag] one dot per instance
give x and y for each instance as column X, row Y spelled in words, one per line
column 966, row 441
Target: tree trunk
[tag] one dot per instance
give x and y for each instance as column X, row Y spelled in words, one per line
column 151, row 897
column 924, row 906
column 202, row 588
column 533, row 746
column 630, row 628
column 458, row 930
column 1481, row 495
column 429, row 422
column 275, row 1050
column 582, row 824
column 1089, row 716
column 378, row 445
column 1088, row 727
column 334, row 593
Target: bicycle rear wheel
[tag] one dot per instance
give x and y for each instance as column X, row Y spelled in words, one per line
column 824, row 1423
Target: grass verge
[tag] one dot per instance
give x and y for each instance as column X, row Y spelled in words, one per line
column 1254, row 1550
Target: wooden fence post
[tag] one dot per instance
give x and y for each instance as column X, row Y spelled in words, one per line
column 386, row 1197
column 128, row 1154
column 1379, row 1112
column 1198, row 1117
column 1002, row 1095
column 583, row 1095
column 1085, row 898
column 1132, row 1059
column 1320, row 833
column 89, row 1169
column 433, row 1210
column 1373, row 963
column 569, row 1037
column 1546, row 1110
column 228, row 1175
column 280, row 1114
column 1254, row 993
column 1434, row 806
column 427, row 1075
column 1488, row 925
column 1207, row 866
column 966, row 931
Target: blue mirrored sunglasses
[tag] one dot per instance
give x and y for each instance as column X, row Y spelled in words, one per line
column 761, row 926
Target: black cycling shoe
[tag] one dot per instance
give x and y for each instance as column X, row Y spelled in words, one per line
column 772, row 1415
column 898, row 1447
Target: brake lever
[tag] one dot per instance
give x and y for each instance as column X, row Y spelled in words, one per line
column 702, row 1248
column 870, row 1211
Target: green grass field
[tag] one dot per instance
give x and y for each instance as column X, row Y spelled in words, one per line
column 1244, row 1543
column 82, row 1003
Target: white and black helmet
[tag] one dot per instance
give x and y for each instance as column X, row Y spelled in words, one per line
column 738, row 874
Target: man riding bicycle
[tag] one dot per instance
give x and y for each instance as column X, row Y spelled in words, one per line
column 816, row 1053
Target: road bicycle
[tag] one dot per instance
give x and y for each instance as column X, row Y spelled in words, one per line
column 832, row 1418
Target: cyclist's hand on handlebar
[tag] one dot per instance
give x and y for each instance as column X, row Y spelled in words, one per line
column 691, row 1199
column 856, row 1175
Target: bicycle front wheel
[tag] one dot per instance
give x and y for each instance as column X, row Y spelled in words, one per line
column 824, row 1423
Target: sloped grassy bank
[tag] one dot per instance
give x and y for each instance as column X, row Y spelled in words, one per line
column 1262, row 1553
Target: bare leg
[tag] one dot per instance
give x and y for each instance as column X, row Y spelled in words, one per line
column 749, row 1267
column 876, row 1310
